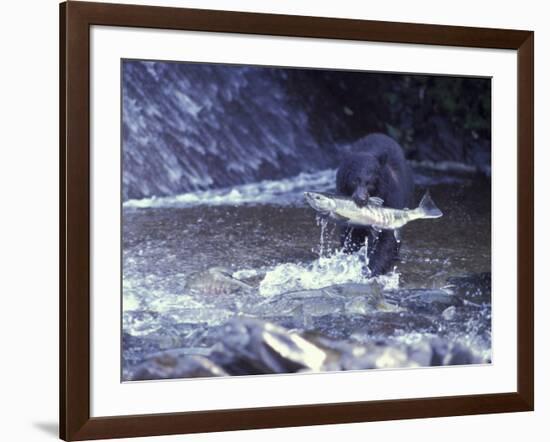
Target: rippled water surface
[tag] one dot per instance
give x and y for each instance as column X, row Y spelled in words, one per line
column 265, row 235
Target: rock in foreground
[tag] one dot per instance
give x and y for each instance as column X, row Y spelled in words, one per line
column 248, row 346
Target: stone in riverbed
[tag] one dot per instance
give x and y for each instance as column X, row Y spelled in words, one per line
column 174, row 365
column 461, row 355
column 248, row 346
column 252, row 346
column 448, row 353
column 427, row 301
column 377, row 355
column 421, row 353
column 449, row 313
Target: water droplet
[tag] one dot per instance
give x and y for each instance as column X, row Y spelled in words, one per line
column 323, row 222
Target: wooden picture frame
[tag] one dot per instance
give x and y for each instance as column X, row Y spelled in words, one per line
column 75, row 21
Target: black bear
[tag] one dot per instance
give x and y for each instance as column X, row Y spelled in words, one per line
column 375, row 166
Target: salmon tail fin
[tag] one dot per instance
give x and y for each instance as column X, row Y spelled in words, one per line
column 428, row 208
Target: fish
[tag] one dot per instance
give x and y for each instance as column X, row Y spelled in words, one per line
column 343, row 210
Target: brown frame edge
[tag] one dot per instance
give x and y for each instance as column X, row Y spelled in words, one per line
column 75, row 21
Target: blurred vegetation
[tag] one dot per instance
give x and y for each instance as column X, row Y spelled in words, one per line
column 433, row 117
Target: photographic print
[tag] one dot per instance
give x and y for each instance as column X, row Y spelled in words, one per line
column 293, row 220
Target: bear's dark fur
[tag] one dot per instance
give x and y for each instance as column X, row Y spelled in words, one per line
column 375, row 166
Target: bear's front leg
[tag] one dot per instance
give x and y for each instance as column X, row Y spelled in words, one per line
column 384, row 253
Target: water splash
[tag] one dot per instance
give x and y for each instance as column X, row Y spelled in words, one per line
column 337, row 268
column 366, row 254
column 323, row 223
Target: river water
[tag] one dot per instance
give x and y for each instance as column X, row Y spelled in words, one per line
column 265, row 235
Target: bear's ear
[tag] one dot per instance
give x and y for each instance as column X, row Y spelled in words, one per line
column 382, row 159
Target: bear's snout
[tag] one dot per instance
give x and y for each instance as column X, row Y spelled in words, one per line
column 361, row 196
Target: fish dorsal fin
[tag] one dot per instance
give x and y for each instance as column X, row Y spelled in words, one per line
column 376, row 200
column 339, row 218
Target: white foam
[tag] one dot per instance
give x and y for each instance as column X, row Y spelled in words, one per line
column 338, row 268
column 287, row 191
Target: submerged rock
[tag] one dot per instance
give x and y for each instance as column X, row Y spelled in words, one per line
column 378, row 356
column 461, row 355
column 343, row 355
column 350, row 298
column 449, row 313
column 250, row 346
column 173, row 365
column 427, row 301
column 421, row 353
column 215, row 281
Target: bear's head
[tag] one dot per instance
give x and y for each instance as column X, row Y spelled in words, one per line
column 359, row 176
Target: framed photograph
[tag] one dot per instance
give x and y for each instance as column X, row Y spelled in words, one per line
column 272, row 221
